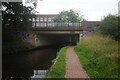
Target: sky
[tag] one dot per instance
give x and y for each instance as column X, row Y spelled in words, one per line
column 93, row 10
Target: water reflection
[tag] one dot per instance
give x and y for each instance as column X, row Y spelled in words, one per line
column 23, row 64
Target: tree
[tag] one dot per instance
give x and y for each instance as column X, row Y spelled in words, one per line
column 109, row 26
column 70, row 16
column 16, row 19
column 32, row 2
column 17, row 16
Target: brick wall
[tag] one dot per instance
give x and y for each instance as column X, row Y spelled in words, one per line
column 90, row 25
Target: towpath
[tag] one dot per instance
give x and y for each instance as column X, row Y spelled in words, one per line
column 73, row 66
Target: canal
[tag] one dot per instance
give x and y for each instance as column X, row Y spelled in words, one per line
column 23, row 64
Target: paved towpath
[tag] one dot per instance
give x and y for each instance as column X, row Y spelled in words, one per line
column 73, row 66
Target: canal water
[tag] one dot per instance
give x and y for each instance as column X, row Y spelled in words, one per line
column 23, row 64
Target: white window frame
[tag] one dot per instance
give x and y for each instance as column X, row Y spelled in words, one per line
column 41, row 19
column 45, row 19
column 45, row 25
column 37, row 24
column 49, row 19
column 41, row 24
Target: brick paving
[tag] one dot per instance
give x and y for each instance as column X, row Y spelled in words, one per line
column 73, row 66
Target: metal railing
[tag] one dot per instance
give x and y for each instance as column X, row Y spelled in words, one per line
column 58, row 26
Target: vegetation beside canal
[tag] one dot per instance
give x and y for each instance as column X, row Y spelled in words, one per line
column 58, row 69
column 98, row 55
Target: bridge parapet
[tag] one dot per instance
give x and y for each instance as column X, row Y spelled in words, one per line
column 58, row 27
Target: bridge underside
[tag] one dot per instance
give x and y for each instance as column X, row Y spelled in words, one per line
column 57, row 32
column 56, row 35
column 50, row 39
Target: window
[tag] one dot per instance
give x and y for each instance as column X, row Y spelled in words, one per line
column 37, row 24
column 37, row 19
column 45, row 19
column 41, row 19
column 41, row 24
column 53, row 18
column 49, row 24
column 45, row 25
column 49, row 19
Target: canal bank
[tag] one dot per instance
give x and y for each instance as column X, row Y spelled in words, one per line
column 66, row 65
column 58, row 69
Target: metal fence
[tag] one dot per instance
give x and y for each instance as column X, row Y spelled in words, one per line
column 58, row 26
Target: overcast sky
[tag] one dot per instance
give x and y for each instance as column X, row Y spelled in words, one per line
column 91, row 9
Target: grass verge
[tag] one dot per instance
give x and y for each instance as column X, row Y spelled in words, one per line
column 58, row 69
column 98, row 55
